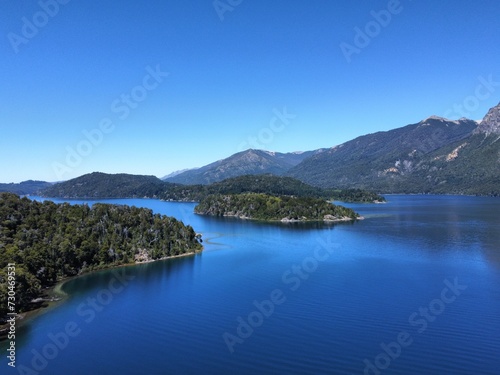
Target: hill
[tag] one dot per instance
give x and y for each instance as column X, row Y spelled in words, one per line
column 99, row 185
column 29, row 187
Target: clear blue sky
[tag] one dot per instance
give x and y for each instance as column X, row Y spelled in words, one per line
column 227, row 78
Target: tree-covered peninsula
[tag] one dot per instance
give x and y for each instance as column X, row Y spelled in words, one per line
column 48, row 242
column 273, row 208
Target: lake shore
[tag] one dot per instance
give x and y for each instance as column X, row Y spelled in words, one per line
column 55, row 295
column 327, row 220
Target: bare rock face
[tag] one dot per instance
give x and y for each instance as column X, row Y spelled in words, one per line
column 490, row 123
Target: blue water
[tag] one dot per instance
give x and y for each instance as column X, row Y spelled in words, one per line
column 331, row 298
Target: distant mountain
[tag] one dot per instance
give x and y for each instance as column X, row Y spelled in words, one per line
column 243, row 163
column 29, row 187
column 102, row 185
column 175, row 173
column 433, row 156
column 381, row 161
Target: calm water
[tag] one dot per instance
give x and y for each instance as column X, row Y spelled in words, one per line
column 419, row 277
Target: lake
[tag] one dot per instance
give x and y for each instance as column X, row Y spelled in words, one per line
column 412, row 289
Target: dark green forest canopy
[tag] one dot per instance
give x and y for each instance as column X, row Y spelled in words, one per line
column 49, row 242
column 271, row 208
column 100, row 185
column 266, row 184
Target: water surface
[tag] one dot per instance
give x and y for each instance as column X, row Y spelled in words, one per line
column 341, row 293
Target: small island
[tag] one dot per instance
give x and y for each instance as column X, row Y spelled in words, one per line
column 263, row 207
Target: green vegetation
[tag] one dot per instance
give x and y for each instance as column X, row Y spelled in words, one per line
column 266, row 184
column 25, row 187
column 49, row 242
column 435, row 156
column 99, row 185
column 354, row 195
column 270, row 208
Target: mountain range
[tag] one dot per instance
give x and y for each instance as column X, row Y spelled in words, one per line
column 436, row 155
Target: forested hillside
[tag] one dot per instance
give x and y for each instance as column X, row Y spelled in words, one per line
column 49, row 241
column 101, row 185
column 25, row 187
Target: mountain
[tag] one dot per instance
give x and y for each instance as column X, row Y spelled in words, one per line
column 381, row 161
column 490, row 123
column 433, row 156
column 469, row 166
column 25, row 188
column 175, row 173
column 102, row 185
column 243, row 163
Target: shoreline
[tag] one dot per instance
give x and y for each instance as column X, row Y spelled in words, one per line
column 57, row 296
column 286, row 220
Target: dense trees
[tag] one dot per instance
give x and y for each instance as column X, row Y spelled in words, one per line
column 25, row 187
column 49, row 241
column 266, row 184
column 101, row 185
column 271, row 208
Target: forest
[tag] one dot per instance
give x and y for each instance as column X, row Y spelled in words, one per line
column 100, row 185
column 48, row 242
column 266, row 184
column 271, row 208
